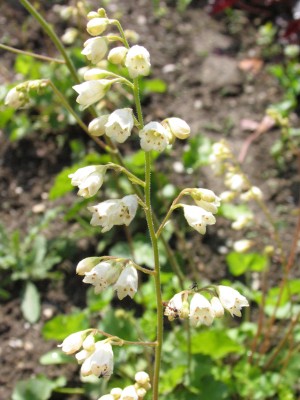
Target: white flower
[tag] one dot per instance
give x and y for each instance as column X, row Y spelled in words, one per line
column 95, row 49
column 177, row 307
column 232, row 300
column 240, row 246
column 114, row 212
column 96, row 26
column 178, row 127
column 198, row 218
column 73, row 342
column 102, row 275
column 88, row 179
column 234, row 181
column 116, row 392
column 120, row 124
column 15, row 98
column 107, row 397
column 201, row 311
column 153, row 137
column 117, row 55
column 217, row 307
column 227, row 196
column 100, row 362
column 254, row 193
column 241, row 222
column 129, row 393
column 97, row 125
column 91, row 91
column 86, row 265
column 138, row 61
column 206, row 199
column 221, row 151
column 91, row 74
column 127, row 283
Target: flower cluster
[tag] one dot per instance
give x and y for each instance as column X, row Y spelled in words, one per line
column 117, row 272
column 18, row 96
column 201, row 215
column 133, row 392
column 200, row 310
column 96, row 358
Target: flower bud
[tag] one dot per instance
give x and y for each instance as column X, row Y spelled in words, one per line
column 96, row 26
column 86, row 265
column 97, row 126
column 142, row 378
column 91, row 91
column 117, row 55
column 73, row 342
column 241, row 246
column 178, row 127
column 95, row 49
column 92, row 14
column 227, row 196
column 116, row 392
column 254, row 193
column 15, row 98
column 241, row 222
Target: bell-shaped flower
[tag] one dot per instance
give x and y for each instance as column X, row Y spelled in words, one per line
column 102, row 275
column 117, row 55
column 201, row 311
column 154, row 137
column 206, row 199
column 198, row 218
column 96, row 26
column 95, row 49
column 91, row 91
column 86, row 265
column 97, row 125
column 177, row 307
column 217, row 307
column 114, row 212
column 138, row 61
column 232, row 300
column 129, row 393
column 100, row 363
column 88, row 179
column 120, row 124
column 73, row 342
column 177, row 127
column 127, row 283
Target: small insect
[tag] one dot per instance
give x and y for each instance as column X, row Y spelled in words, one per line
column 194, row 286
column 170, row 311
column 104, row 374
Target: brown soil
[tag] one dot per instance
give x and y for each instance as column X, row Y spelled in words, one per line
column 198, row 59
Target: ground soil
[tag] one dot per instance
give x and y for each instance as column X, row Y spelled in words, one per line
column 199, row 59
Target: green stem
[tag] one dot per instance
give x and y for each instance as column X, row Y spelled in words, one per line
column 30, row 54
column 148, row 212
column 55, row 39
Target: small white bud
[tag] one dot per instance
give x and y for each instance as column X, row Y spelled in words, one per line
column 73, row 342
column 95, row 49
column 138, row 61
column 129, row 393
column 86, row 265
column 227, row 196
column 206, row 199
column 241, row 246
column 117, row 55
column 235, row 181
column 242, row 222
column 96, row 26
column 177, row 127
column 15, row 98
column 116, row 392
column 97, row 126
column 142, row 378
column 254, row 193
column 91, row 91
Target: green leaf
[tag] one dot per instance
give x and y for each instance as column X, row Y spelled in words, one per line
column 30, row 303
column 215, row 343
column 55, row 357
column 153, row 86
column 171, row 378
column 233, row 212
column 38, row 388
column 239, row 263
column 198, row 152
column 59, row 327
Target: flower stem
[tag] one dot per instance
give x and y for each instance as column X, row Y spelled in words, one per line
column 149, row 218
column 30, row 54
column 52, row 35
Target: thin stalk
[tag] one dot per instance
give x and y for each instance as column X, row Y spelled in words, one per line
column 148, row 213
column 30, row 54
column 52, row 35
